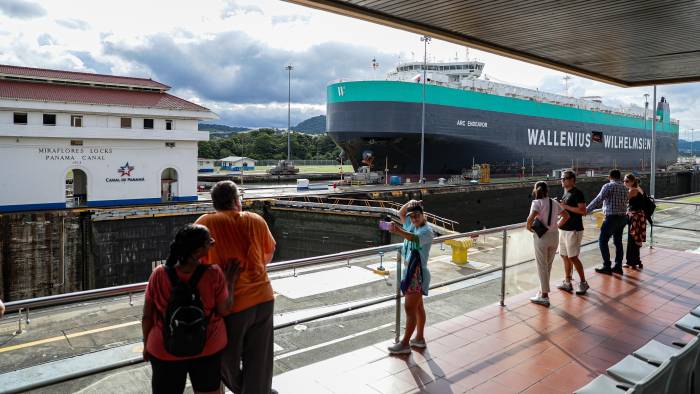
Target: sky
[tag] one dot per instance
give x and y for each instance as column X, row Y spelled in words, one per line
column 230, row 55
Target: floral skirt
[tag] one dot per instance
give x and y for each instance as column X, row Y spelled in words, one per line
column 638, row 226
column 416, row 285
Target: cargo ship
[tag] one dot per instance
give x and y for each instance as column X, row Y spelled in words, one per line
column 471, row 120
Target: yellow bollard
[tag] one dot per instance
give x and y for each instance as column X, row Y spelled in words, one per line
column 460, row 250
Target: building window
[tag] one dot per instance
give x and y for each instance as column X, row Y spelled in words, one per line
column 148, row 123
column 50, row 119
column 168, row 124
column 169, row 144
column 76, row 121
column 20, row 118
column 76, row 142
column 126, row 123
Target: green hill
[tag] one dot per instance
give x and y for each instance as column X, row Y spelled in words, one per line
column 315, row 125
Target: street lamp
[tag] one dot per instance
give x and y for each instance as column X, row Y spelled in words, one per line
column 289, row 112
column 692, row 141
column 646, row 106
column 425, row 40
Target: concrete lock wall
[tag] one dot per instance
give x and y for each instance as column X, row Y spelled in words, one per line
column 41, row 254
column 302, row 234
column 55, row 252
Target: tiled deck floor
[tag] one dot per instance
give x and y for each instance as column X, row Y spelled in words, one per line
column 524, row 347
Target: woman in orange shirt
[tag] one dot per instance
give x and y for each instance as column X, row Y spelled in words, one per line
column 170, row 370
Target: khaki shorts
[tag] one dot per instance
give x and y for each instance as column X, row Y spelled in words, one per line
column 570, row 243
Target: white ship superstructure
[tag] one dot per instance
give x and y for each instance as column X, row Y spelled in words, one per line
column 465, row 75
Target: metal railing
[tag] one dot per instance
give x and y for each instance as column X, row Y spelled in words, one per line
column 445, row 223
column 685, row 216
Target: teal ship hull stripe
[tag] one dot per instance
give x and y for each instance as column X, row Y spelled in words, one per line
column 407, row 92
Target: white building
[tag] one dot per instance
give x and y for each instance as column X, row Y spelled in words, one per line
column 81, row 139
column 205, row 165
column 236, row 163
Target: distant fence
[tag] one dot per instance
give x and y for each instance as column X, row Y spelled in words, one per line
column 302, row 162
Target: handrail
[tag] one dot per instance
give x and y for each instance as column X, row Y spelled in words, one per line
column 87, row 295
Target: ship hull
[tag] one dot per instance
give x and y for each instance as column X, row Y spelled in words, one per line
column 512, row 143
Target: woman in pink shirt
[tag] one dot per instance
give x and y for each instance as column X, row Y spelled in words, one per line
column 170, row 371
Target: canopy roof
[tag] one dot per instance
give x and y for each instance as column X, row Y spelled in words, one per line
column 622, row 42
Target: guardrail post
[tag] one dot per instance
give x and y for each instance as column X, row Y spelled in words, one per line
column 503, row 268
column 651, row 234
column 398, row 296
column 26, row 316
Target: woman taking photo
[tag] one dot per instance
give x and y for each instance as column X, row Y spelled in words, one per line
column 418, row 237
column 183, row 332
column 637, row 231
column 544, row 220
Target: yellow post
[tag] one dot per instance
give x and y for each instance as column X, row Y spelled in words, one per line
column 460, row 250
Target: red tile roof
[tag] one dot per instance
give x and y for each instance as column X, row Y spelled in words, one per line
column 20, row 90
column 29, row 72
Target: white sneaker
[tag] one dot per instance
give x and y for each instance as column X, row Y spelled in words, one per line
column 566, row 286
column 539, row 300
column 417, row 344
column 582, row 288
column 399, row 348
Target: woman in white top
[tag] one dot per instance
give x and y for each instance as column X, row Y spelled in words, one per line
column 546, row 244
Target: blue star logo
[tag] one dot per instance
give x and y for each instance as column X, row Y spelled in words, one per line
column 125, row 170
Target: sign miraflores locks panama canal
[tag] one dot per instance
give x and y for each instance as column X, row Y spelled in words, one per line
column 75, row 153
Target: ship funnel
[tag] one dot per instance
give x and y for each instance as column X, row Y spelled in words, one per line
column 663, row 111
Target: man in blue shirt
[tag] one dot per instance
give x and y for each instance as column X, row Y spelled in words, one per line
column 613, row 198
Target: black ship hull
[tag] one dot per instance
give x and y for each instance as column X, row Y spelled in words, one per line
column 455, row 138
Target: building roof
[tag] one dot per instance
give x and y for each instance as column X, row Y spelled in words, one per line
column 236, row 158
column 46, row 75
column 37, row 91
column 627, row 43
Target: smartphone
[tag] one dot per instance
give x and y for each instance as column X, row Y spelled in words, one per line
column 386, row 226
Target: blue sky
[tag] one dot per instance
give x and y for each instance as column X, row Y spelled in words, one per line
column 230, row 55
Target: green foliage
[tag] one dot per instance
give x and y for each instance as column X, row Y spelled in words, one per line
column 266, row 144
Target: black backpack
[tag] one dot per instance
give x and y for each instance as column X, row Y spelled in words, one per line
column 648, row 206
column 185, row 322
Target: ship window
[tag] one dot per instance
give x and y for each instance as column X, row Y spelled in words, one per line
column 168, row 124
column 76, row 121
column 169, row 144
column 76, row 142
column 126, row 123
column 148, row 123
column 597, row 136
column 50, row 119
column 20, row 117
